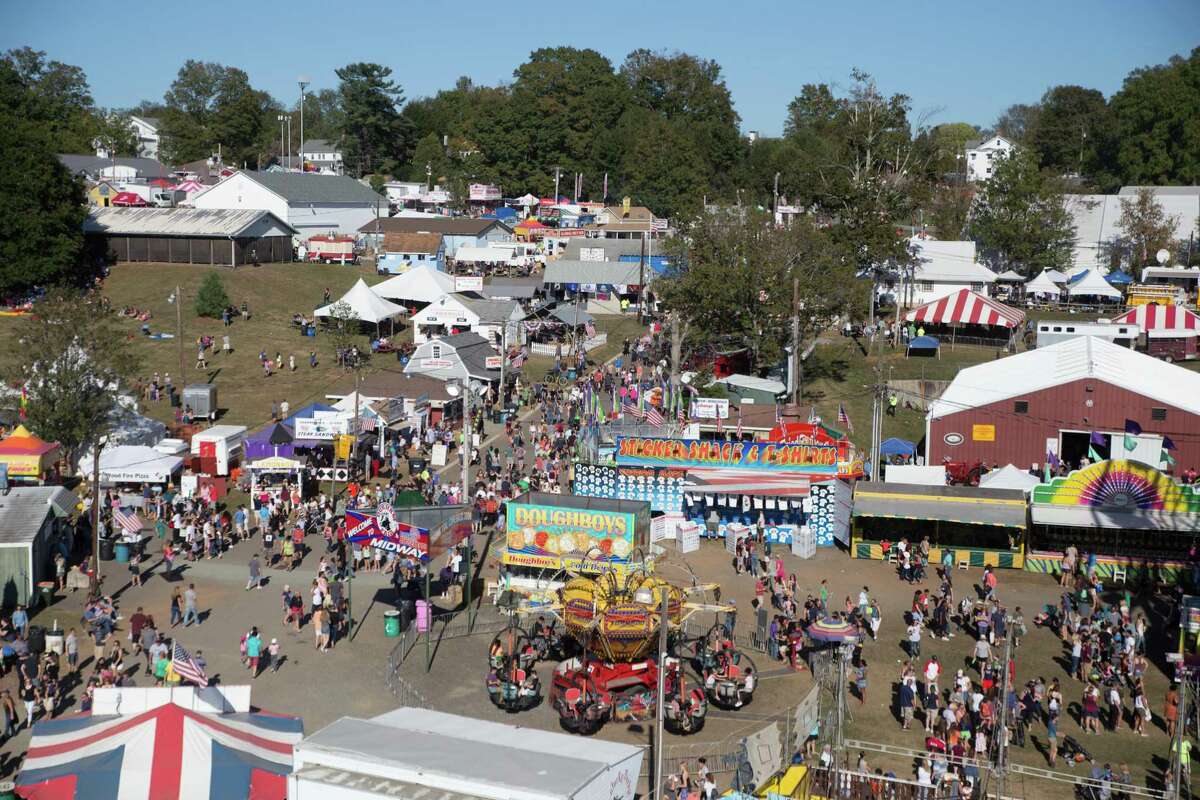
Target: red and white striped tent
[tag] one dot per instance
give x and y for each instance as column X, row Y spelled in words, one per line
column 167, row 752
column 1161, row 322
column 965, row 307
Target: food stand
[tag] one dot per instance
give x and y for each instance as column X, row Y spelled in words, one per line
column 580, row 534
column 274, row 473
column 27, row 458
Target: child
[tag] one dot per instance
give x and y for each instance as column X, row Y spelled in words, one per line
column 273, row 655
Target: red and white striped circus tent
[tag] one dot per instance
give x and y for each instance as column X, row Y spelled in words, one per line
column 965, row 307
column 1162, row 321
column 167, row 752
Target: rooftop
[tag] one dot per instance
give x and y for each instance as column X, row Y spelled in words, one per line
column 184, row 222
column 23, row 509
column 147, row 167
column 447, row 226
column 412, row 242
column 309, row 187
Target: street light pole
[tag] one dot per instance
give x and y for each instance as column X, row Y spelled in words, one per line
column 303, row 83
column 95, row 591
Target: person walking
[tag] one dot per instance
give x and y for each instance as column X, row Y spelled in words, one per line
column 190, row 614
column 253, row 651
column 255, row 579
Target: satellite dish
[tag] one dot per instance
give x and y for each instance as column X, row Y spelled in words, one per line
column 1162, row 256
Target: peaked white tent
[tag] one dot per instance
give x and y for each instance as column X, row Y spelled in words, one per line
column 1044, row 284
column 1092, row 284
column 1056, row 276
column 365, row 305
column 1010, row 276
column 1009, row 477
column 423, row 284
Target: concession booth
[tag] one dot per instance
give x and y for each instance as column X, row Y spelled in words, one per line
column 1137, row 520
column 983, row 527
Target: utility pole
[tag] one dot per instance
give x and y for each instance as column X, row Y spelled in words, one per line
column 303, row 85
column 775, row 202
column 468, row 436
column 1001, row 766
column 663, row 624
column 95, row 591
column 1181, row 723
column 557, row 173
column 179, row 336
column 797, row 366
column 839, row 729
column 642, row 284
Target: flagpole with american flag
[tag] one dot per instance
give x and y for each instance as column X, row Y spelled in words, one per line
column 185, row 666
column 844, row 418
column 739, row 427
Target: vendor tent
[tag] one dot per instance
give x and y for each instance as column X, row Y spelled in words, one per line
column 420, row 285
column 129, row 463
column 1162, row 321
column 1055, row 276
column 127, row 426
column 308, row 412
column 1010, row 276
column 1119, row 278
column 26, row 456
column 1045, row 283
column 128, row 199
column 897, row 447
column 167, row 752
column 1009, row 477
column 482, row 255
column 924, row 344
column 365, row 305
column 965, row 307
column 1089, row 284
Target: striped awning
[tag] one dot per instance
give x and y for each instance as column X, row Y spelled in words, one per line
column 965, row 307
column 744, row 482
column 1159, row 320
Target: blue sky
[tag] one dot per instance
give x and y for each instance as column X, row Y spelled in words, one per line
column 963, row 60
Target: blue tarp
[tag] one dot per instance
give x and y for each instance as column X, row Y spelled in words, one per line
column 504, row 213
column 897, row 447
column 308, row 412
column 924, row 343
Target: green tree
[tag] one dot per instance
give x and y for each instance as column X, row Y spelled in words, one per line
column 374, row 136
column 430, row 154
column 1147, row 227
column 71, row 357
column 948, row 210
column 67, row 111
column 663, row 166
column 41, row 203
column 1018, row 121
column 943, row 148
column 1071, row 130
column 322, row 115
column 1019, row 220
column 209, row 105
column 1157, row 124
column 211, row 300
column 115, row 134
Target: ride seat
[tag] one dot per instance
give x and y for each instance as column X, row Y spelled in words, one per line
column 572, row 696
column 519, row 675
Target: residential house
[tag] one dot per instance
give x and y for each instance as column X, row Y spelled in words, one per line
column 321, row 155
column 461, row 356
column 943, row 268
column 101, row 194
column 458, row 313
column 312, row 204
column 984, row 154
column 147, row 130
column 456, row 232
column 402, row 251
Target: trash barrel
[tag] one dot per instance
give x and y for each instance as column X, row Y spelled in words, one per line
column 8, row 790
column 391, row 624
column 55, row 642
column 122, row 552
column 422, row 616
column 46, row 591
column 106, row 549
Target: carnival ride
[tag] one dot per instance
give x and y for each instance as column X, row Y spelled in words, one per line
column 512, row 680
column 727, row 671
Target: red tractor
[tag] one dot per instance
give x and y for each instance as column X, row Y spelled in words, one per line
column 961, row 473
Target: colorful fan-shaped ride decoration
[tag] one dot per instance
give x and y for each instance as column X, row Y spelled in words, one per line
column 1119, row 485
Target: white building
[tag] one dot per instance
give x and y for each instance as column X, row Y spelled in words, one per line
column 1097, row 217
column 943, row 268
column 457, row 313
column 312, row 204
column 323, row 156
column 462, row 356
column 983, row 155
column 148, row 137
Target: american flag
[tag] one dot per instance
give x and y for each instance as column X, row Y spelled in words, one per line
column 186, row 667
column 681, row 413
column 658, row 224
column 718, row 422
column 128, row 520
column 739, row 427
column 630, row 409
column 589, row 329
column 653, row 416
column 517, row 360
column 844, row 418
column 367, row 423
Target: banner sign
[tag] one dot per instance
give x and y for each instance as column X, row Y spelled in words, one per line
column 710, row 408
column 661, row 487
column 492, row 362
column 468, row 283
column 323, row 428
column 378, row 528
column 568, row 538
column 758, row 456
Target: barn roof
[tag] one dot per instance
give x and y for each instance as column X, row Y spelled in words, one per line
column 227, row 223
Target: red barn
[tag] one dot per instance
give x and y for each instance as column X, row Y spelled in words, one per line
column 1053, row 399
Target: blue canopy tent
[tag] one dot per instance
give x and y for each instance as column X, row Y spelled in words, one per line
column 897, row 447
column 504, row 212
column 1119, row 278
column 924, row 344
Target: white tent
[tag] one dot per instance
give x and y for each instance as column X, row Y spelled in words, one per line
column 483, row 255
column 422, row 284
column 129, row 463
column 1044, row 284
column 365, row 305
column 1092, row 284
column 1055, row 275
column 1009, row 477
column 1011, row 276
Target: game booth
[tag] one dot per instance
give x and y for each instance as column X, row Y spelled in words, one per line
column 275, row 474
column 983, row 527
column 796, row 483
column 1139, row 521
